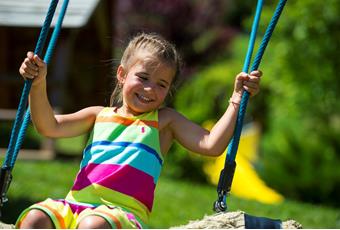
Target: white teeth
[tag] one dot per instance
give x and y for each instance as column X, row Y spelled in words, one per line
column 144, row 98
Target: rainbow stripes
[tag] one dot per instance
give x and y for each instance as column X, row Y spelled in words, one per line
column 66, row 215
column 121, row 163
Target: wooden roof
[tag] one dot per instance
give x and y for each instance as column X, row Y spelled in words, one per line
column 31, row 13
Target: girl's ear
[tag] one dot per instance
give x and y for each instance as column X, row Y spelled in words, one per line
column 121, row 74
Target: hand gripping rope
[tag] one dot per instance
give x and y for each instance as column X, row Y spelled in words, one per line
column 227, row 174
column 22, row 118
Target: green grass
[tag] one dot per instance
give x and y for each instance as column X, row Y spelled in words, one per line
column 72, row 146
column 176, row 202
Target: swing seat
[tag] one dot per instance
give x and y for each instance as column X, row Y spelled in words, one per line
column 239, row 219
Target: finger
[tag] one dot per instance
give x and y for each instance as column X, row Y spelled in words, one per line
column 30, row 63
column 24, row 73
column 32, row 66
column 254, row 79
column 242, row 75
column 39, row 61
column 257, row 73
column 27, row 76
column 251, row 90
column 30, row 55
column 29, row 69
column 251, row 84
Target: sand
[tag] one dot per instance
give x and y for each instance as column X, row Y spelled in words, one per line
column 6, row 226
column 229, row 220
column 216, row 221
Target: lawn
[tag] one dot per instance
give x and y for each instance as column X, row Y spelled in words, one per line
column 176, row 202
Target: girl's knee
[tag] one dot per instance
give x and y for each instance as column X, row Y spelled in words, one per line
column 93, row 222
column 36, row 219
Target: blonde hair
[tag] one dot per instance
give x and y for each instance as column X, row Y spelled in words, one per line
column 156, row 46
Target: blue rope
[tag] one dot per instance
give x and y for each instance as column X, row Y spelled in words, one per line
column 47, row 59
column 22, row 119
column 253, row 36
column 27, row 86
column 45, row 28
column 232, row 148
column 265, row 40
column 56, row 32
column 233, row 145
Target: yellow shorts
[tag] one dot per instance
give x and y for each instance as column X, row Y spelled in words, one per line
column 64, row 215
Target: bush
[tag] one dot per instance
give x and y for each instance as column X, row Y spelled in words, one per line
column 299, row 152
column 204, row 98
column 300, row 147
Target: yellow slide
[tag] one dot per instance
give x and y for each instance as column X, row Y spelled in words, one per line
column 246, row 183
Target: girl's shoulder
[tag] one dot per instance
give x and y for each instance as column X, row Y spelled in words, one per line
column 166, row 116
column 94, row 110
column 84, row 113
column 89, row 112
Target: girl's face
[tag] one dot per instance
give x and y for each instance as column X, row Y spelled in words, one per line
column 145, row 86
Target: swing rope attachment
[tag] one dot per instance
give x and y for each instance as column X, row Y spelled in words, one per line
column 224, row 186
column 227, row 174
column 5, row 181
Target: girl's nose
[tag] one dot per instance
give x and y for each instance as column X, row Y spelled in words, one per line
column 149, row 86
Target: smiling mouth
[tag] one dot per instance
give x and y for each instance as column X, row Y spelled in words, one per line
column 144, row 98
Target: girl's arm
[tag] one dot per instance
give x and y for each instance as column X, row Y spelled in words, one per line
column 42, row 113
column 214, row 142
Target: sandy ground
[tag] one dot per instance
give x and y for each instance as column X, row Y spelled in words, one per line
column 229, row 220
column 216, row 221
column 6, row 226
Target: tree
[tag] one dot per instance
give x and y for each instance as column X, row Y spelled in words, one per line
column 297, row 105
column 301, row 144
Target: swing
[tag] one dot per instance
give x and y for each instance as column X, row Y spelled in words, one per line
column 227, row 173
column 241, row 219
column 22, row 118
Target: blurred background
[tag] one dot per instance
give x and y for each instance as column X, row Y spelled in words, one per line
column 296, row 115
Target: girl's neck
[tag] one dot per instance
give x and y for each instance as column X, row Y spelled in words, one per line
column 122, row 111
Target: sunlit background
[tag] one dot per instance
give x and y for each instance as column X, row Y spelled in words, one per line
column 290, row 149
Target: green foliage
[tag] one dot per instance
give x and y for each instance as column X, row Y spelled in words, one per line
column 180, row 164
column 300, row 148
column 297, row 105
column 204, row 98
column 205, row 93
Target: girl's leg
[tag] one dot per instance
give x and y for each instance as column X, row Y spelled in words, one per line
column 36, row 219
column 94, row 222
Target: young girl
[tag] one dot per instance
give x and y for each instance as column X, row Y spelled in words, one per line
column 124, row 155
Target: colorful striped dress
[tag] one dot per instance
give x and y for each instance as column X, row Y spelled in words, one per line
column 118, row 174
column 121, row 163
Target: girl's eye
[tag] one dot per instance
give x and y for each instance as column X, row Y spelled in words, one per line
column 142, row 77
column 163, row 86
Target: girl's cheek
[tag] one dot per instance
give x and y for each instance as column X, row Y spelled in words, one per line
column 165, row 94
column 160, row 93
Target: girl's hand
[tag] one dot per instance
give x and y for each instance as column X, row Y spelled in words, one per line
column 249, row 82
column 33, row 68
